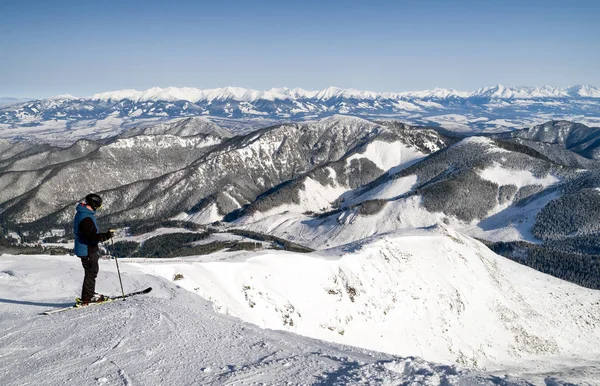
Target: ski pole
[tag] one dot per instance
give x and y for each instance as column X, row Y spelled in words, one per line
column 118, row 270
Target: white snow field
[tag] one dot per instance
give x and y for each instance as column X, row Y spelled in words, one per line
column 428, row 293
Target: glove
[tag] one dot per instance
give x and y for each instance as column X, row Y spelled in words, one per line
column 103, row 253
column 108, row 235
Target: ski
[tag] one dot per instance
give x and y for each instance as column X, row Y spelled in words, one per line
column 144, row 291
column 109, row 300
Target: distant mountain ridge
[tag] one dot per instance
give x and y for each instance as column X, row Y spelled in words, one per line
column 4, row 101
column 66, row 119
column 249, row 95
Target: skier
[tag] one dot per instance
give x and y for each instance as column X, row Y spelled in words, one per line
column 87, row 237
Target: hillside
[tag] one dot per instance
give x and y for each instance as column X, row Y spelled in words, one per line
column 325, row 183
column 173, row 335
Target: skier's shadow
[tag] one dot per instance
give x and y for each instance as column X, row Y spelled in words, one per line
column 39, row 304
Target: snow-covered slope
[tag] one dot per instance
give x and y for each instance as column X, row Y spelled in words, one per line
column 95, row 167
column 167, row 337
column 164, row 175
column 430, row 293
column 462, row 185
column 395, row 148
column 339, row 179
column 578, row 138
column 317, row 195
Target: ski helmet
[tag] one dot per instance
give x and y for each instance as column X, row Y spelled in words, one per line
column 93, row 200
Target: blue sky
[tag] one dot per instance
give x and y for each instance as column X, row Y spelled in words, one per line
column 84, row 47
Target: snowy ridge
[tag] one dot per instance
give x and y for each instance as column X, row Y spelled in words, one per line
column 496, row 108
column 502, row 92
column 249, row 95
column 172, row 336
column 431, row 292
column 236, row 93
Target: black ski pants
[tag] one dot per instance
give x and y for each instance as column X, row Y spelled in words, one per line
column 90, row 265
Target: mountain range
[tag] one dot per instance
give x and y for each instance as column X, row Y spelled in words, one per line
column 64, row 119
column 328, row 182
column 394, row 229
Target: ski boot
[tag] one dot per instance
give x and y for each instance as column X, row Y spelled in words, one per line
column 97, row 298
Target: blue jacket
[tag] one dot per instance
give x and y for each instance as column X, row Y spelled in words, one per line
column 81, row 246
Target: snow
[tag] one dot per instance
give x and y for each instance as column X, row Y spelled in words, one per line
column 14, row 235
column 591, row 121
column 585, row 91
column 510, row 223
column 520, row 178
column 167, row 337
column 248, row 109
column 61, row 120
column 136, row 113
column 402, row 105
column 316, row 197
column 313, row 197
column 346, row 226
column 389, row 156
column 163, row 141
column 380, row 290
column 436, row 93
column 241, row 94
column 429, row 104
column 194, row 95
column 207, row 215
column 63, row 96
column 456, row 122
column 507, row 123
column 146, row 236
column 455, row 312
column 387, row 190
column 500, row 91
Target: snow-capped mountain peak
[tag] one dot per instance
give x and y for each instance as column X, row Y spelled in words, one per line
column 63, row 97
column 250, row 95
column 497, row 91
column 436, row 93
column 116, row 95
column 503, row 92
column 495, row 108
column 584, row 91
